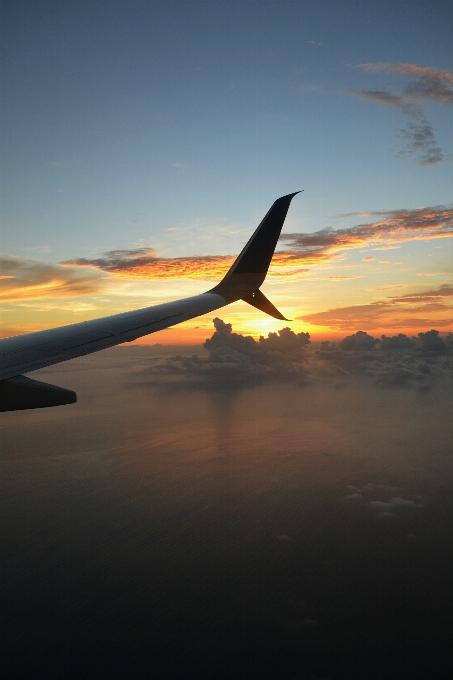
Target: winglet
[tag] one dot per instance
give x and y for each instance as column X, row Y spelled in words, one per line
column 250, row 268
column 259, row 300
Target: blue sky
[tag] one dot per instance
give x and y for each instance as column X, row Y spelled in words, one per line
column 176, row 124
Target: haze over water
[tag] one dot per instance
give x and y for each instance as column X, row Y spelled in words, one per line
column 158, row 530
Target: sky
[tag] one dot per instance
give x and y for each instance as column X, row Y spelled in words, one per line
column 142, row 143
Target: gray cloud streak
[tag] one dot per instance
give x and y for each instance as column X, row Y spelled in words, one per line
column 24, row 279
column 427, row 84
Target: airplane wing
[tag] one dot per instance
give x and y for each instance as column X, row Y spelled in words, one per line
column 26, row 353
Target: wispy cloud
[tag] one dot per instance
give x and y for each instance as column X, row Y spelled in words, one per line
column 419, row 138
column 413, row 310
column 426, row 84
column 145, row 263
column 444, row 291
column 25, row 279
column 28, row 279
column 395, row 226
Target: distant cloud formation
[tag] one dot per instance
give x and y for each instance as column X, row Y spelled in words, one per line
column 396, row 226
column 144, row 263
column 420, row 140
column 444, row 291
column 25, row 279
column 413, row 310
column 236, row 361
column 426, row 84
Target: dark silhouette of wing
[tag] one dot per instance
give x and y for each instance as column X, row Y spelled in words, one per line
column 26, row 353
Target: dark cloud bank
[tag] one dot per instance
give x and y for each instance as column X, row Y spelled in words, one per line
column 234, row 361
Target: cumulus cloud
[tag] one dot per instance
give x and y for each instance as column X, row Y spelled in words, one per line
column 397, row 361
column 360, row 340
column 25, row 279
column 236, row 361
column 425, row 84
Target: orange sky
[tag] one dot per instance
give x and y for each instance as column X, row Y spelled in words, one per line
column 388, row 275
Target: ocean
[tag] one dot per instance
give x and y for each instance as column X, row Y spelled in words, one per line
column 178, row 530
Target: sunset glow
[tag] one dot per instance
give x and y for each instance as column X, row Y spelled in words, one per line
column 367, row 246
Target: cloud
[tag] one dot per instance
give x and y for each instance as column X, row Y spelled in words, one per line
column 340, row 278
column 444, row 291
column 397, row 361
column 381, row 505
column 420, row 140
column 388, row 99
column 403, row 503
column 426, row 84
column 29, row 279
column 144, row 263
column 236, row 362
column 359, row 340
column 26, row 279
column 396, row 226
column 412, row 310
column 377, row 315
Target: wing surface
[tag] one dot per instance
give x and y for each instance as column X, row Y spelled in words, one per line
column 30, row 352
column 26, row 353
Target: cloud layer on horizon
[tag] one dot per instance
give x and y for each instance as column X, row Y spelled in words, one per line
column 236, row 361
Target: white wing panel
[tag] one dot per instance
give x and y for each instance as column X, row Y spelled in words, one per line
column 26, row 353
